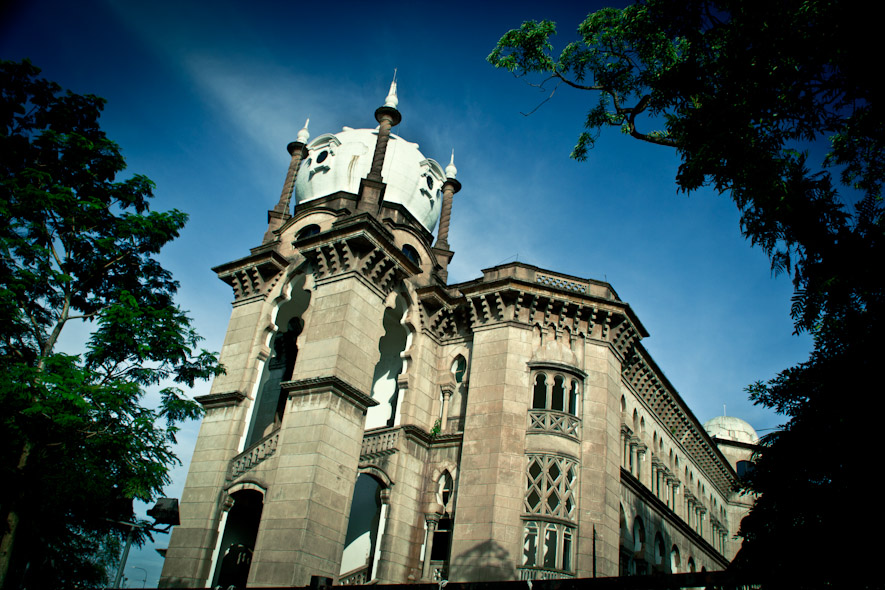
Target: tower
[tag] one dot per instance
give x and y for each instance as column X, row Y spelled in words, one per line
column 378, row 424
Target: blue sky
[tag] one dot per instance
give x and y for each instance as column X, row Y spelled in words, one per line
column 203, row 98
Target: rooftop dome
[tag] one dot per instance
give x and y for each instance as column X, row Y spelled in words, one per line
column 337, row 162
column 731, row 428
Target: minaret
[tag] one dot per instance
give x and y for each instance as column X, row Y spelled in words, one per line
column 372, row 187
column 277, row 216
column 441, row 247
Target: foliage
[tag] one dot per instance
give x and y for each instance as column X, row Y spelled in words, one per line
column 747, row 92
column 76, row 244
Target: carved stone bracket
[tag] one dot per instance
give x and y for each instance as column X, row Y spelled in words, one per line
column 253, row 276
column 359, row 253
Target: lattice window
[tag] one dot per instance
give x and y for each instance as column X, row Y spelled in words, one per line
column 551, row 488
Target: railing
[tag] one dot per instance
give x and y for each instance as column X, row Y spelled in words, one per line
column 562, row 283
column 438, row 571
column 554, row 422
column 530, row 573
column 357, row 577
column 254, row 455
column 380, row 443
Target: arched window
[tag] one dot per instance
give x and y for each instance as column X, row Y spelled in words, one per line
column 562, row 395
column 445, row 489
column 640, row 566
column 573, row 399
column 744, row 468
column 675, row 564
column 459, row 368
column 308, row 231
column 412, row 254
column 638, row 536
column 539, row 395
column 555, row 404
column 557, row 397
column 659, row 550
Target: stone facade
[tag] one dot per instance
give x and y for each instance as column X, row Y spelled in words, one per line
column 378, row 424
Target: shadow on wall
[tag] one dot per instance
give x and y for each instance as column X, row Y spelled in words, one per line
column 485, row 562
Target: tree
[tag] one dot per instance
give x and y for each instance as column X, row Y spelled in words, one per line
column 747, row 91
column 76, row 244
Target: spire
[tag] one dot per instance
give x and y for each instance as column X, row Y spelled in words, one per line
column 392, row 101
column 451, row 171
column 304, row 134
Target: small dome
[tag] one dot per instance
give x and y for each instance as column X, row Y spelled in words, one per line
column 338, row 162
column 731, row 428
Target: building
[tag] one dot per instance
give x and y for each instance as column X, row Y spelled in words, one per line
column 378, row 424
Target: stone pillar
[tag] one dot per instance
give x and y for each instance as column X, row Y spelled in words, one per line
column 487, row 540
column 382, row 526
column 432, row 519
column 282, row 211
column 341, row 336
column 192, row 543
column 600, row 463
column 446, row 395
column 441, row 247
column 372, row 187
column 450, row 187
column 304, row 521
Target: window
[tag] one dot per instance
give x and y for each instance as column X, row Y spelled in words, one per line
column 744, row 468
column 412, row 254
column 555, row 392
column 550, row 492
column 674, row 560
column 307, row 231
column 551, row 486
column 548, row 545
column 459, row 368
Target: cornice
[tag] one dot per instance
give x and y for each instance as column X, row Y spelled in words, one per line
column 329, row 384
column 218, row 400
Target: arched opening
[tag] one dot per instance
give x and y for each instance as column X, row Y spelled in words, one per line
column 459, row 368
column 442, row 537
column 363, row 527
column 270, row 402
column 573, row 399
column 308, row 231
column 639, row 562
column 625, row 546
column 675, row 564
column 238, row 541
column 384, row 388
column 659, row 552
column 744, row 468
column 539, row 393
column 412, row 254
column 558, row 394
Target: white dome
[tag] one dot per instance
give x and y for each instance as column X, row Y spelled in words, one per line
column 731, row 428
column 338, row 162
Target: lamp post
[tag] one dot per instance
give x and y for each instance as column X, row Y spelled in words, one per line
column 164, row 512
column 144, row 581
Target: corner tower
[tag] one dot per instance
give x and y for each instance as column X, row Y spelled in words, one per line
column 320, row 349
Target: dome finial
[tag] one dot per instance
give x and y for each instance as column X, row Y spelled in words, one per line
column 451, row 171
column 304, row 134
column 391, row 100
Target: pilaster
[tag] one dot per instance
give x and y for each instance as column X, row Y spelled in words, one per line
column 304, row 521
